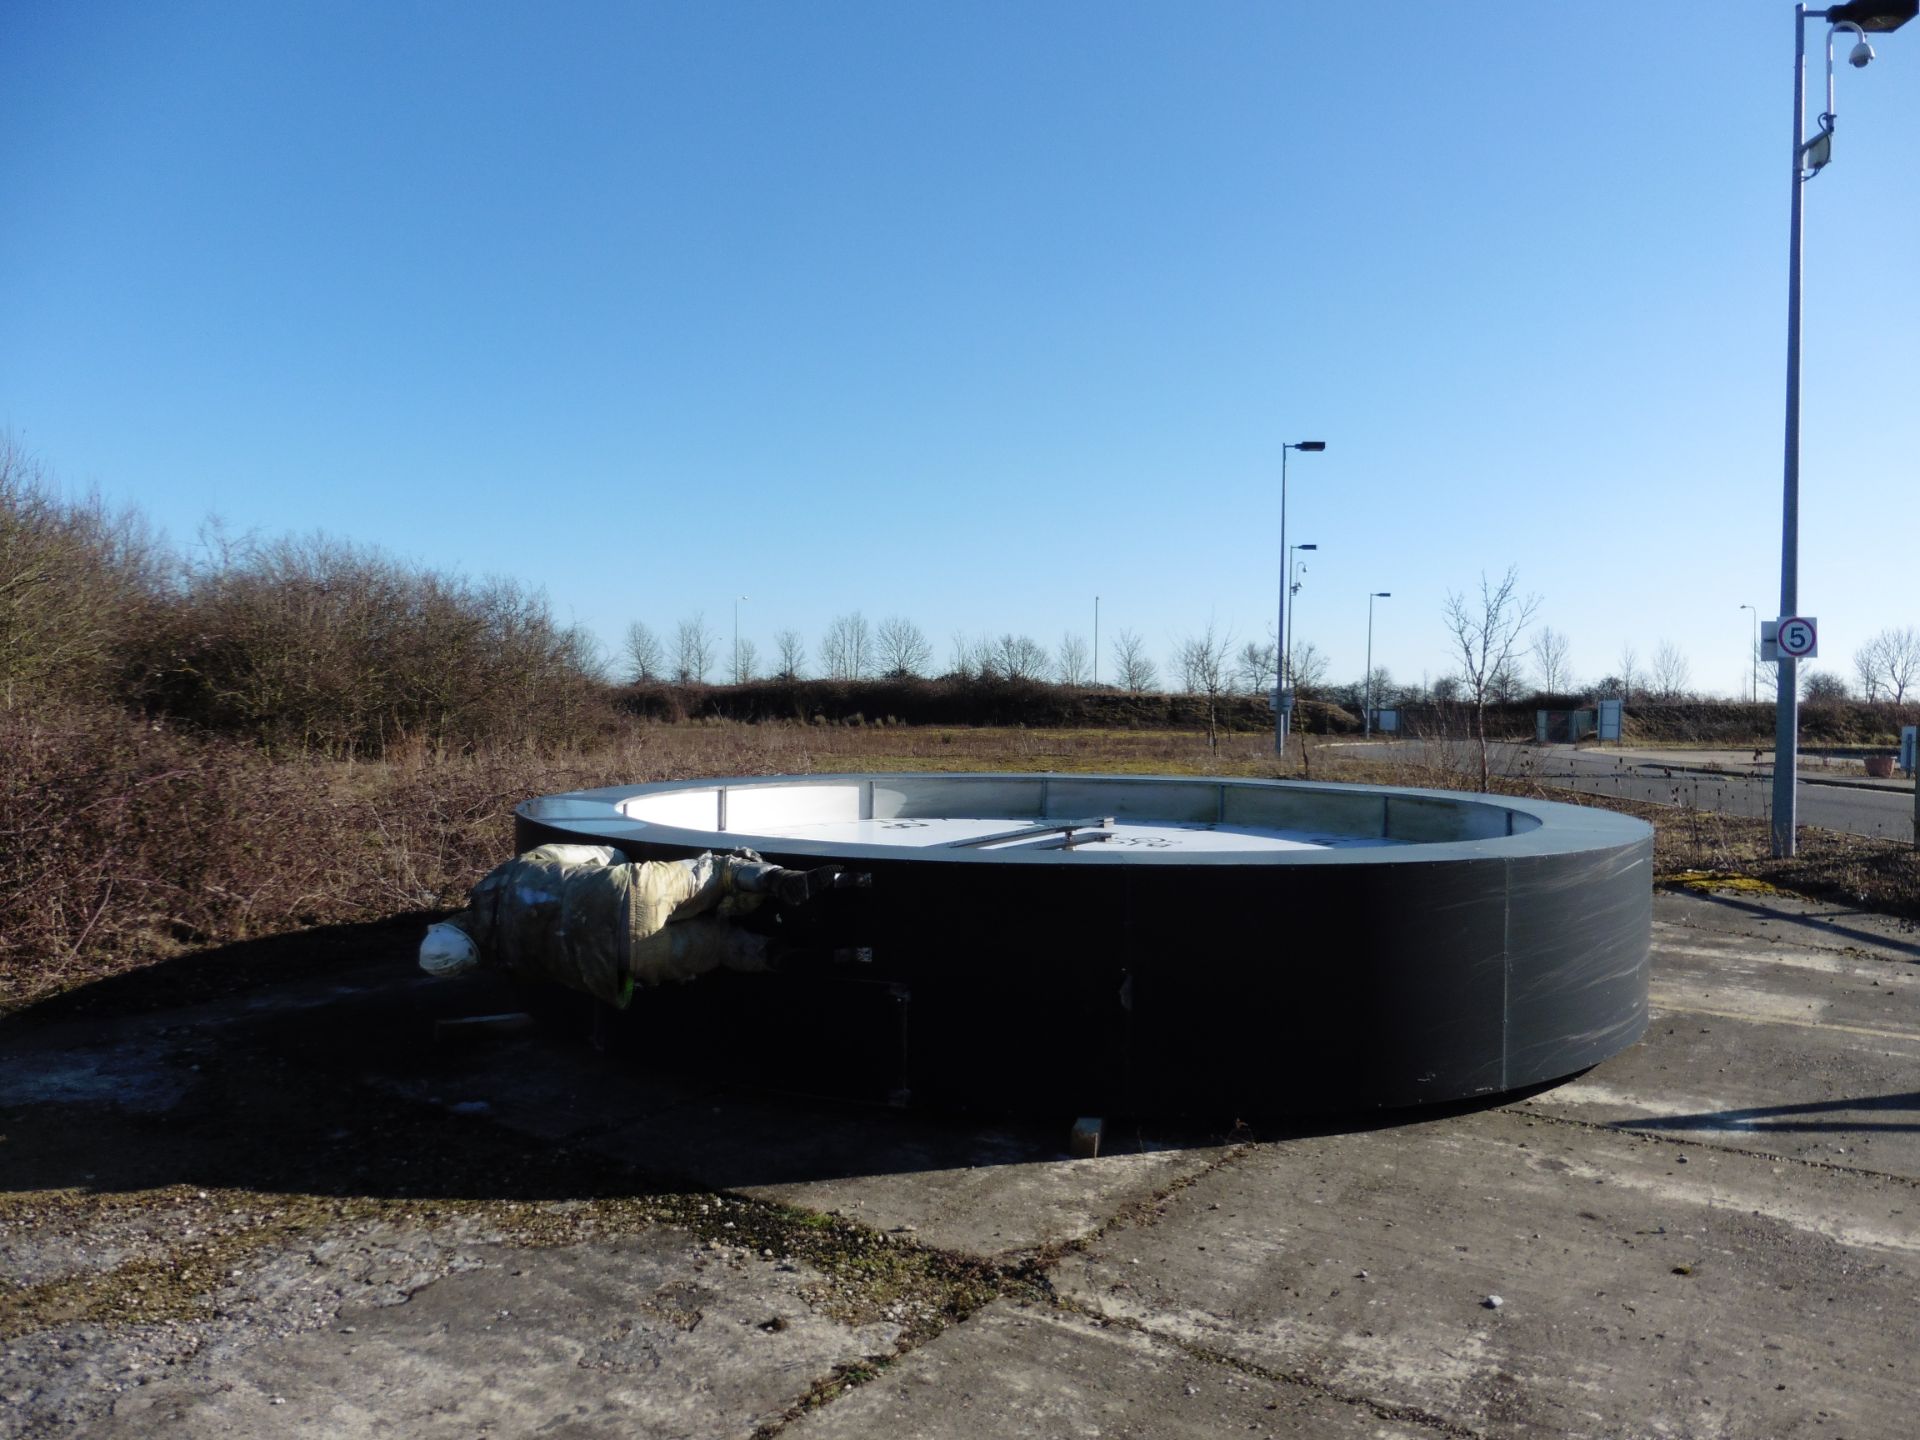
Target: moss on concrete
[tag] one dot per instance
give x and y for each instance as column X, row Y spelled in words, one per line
column 866, row 1274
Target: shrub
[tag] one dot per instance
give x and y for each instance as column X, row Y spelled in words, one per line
column 75, row 581
column 121, row 840
column 316, row 646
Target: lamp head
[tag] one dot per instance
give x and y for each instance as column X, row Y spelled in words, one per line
column 1309, row 445
column 1876, row 15
column 1306, row 547
column 1383, row 594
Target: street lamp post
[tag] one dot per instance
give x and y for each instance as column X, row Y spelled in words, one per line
column 1366, row 732
column 1753, row 661
column 1096, row 642
column 1285, row 663
column 1809, row 158
column 1282, row 711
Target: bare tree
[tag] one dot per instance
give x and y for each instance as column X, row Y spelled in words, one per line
column 1484, row 635
column 1256, row 667
column 1550, row 658
column 1809, row 678
column 1866, row 669
column 790, row 655
column 1071, row 663
column 847, row 648
column 746, row 655
column 960, row 656
column 693, row 647
column 1670, row 673
column 1822, row 687
column 903, row 648
column 646, row 656
column 1507, row 686
column 971, row 656
column 1629, row 671
column 1381, row 687
column 1204, row 671
column 986, row 662
column 1889, row 663
column 1186, row 660
column 1132, row 665
column 1309, row 669
column 1019, row 657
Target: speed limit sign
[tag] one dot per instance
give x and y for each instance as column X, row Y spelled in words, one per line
column 1798, row 637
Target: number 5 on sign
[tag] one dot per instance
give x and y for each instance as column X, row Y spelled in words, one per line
column 1793, row 637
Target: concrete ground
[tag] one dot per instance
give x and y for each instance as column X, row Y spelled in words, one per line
column 249, row 1194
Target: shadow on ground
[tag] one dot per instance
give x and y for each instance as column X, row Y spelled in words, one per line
column 1817, row 1117
column 308, row 1063
column 1821, row 921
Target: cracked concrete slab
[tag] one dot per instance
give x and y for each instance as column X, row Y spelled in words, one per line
column 1022, row 1370
column 652, row 1334
column 995, row 1192
column 1642, row 1286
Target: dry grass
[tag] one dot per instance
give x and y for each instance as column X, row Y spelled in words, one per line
column 123, row 844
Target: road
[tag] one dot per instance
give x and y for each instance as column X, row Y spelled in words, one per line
column 1669, row 780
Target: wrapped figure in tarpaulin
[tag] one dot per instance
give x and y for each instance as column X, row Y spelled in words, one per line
column 588, row 918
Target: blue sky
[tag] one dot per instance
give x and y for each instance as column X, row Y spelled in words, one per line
column 973, row 313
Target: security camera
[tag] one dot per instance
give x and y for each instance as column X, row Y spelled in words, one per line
column 1862, row 53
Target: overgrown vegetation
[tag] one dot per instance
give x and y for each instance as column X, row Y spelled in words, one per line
column 179, row 734
column 313, row 646
column 302, row 646
column 76, row 585
column 124, row 842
